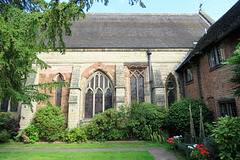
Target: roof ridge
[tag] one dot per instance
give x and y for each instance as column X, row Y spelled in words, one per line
column 143, row 14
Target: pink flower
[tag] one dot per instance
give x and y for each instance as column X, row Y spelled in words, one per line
column 25, row 140
column 35, row 134
column 26, row 137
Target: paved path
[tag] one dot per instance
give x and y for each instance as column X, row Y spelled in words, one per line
column 158, row 153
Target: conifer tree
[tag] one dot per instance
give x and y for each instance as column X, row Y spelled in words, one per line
column 27, row 28
column 234, row 63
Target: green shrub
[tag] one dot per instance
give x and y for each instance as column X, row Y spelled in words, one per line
column 4, row 136
column 145, row 114
column 179, row 119
column 10, row 124
column 50, row 123
column 75, row 135
column 158, row 136
column 227, row 135
column 105, row 126
column 30, row 134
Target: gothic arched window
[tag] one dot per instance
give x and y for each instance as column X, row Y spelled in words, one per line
column 171, row 90
column 59, row 92
column 98, row 95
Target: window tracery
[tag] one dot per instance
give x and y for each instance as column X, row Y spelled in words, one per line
column 98, row 95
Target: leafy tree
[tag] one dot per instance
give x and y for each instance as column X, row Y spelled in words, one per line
column 27, row 28
column 234, row 62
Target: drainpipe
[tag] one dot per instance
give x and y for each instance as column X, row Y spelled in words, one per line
column 198, row 78
column 150, row 74
column 183, row 88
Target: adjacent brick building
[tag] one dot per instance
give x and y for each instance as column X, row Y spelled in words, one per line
column 201, row 73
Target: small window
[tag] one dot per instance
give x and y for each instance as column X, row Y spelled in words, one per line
column 189, row 75
column 228, row 108
column 216, row 56
column 6, row 106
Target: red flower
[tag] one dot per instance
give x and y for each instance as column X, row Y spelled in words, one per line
column 207, row 152
column 202, row 152
column 198, row 146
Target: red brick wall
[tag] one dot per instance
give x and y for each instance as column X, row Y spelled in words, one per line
column 50, row 75
column 191, row 88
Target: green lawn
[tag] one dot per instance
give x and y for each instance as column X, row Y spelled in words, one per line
column 12, row 146
column 80, row 145
column 111, row 155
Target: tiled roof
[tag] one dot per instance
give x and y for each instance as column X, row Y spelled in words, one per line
column 228, row 23
column 136, row 31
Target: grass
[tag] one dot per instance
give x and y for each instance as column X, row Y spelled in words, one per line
column 116, row 155
column 78, row 146
column 180, row 155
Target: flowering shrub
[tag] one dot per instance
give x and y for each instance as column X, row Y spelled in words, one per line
column 199, row 152
column 30, row 134
column 177, row 139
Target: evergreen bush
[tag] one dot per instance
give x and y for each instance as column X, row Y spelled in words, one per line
column 50, row 122
column 227, row 136
column 75, row 135
column 105, row 126
column 9, row 124
column 4, row 136
column 142, row 115
column 179, row 119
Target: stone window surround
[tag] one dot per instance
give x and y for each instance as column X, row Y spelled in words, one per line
column 98, row 72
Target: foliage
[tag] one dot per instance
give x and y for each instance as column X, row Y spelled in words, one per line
column 30, row 134
column 200, row 153
column 4, row 136
column 177, row 139
column 8, row 123
column 75, row 135
column 179, row 119
column 27, row 28
column 227, row 135
column 105, row 126
column 234, row 63
column 50, row 122
column 212, row 147
column 145, row 114
column 157, row 136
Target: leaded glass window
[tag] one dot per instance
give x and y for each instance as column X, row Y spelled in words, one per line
column 228, row 108
column 98, row 95
column 59, row 92
column 137, row 85
column 6, row 105
column 171, row 90
column 216, row 56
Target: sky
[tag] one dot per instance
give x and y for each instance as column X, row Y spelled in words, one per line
column 214, row 8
